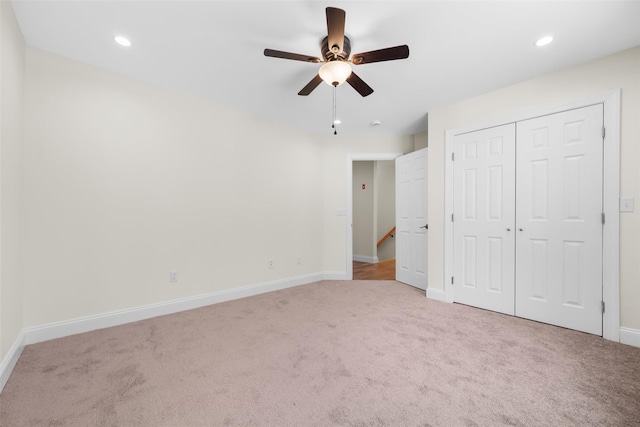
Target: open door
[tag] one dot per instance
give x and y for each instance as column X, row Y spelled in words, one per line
column 411, row 219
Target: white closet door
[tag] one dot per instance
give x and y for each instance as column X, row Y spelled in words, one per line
column 484, row 217
column 411, row 219
column 559, row 207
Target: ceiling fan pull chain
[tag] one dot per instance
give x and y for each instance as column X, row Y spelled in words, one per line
column 333, row 124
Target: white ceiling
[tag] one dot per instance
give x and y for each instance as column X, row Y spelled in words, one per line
column 214, row 49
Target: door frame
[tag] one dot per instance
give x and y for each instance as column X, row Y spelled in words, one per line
column 357, row 157
column 611, row 199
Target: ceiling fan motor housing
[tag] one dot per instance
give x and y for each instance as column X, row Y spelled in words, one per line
column 328, row 54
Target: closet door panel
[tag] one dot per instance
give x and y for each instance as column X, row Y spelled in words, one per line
column 484, row 187
column 558, row 217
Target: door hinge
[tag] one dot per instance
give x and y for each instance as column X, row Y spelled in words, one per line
column 602, row 217
column 453, row 157
column 452, row 280
column 604, row 132
column 451, row 217
column 602, row 306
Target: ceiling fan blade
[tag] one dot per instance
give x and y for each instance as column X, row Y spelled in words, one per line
column 388, row 54
column 359, row 85
column 311, row 86
column 288, row 55
column 335, row 29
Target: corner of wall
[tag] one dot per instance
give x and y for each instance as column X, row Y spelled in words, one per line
column 420, row 140
column 12, row 72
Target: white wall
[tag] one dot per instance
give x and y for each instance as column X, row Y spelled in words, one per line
column 363, row 212
column 622, row 71
column 421, row 140
column 126, row 181
column 12, row 65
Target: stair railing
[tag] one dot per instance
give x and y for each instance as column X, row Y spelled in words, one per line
column 386, row 236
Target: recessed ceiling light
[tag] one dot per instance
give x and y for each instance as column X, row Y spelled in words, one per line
column 543, row 41
column 122, row 41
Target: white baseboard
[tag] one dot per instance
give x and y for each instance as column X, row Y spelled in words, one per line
column 630, row 336
column 437, row 294
column 10, row 360
column 90, row 323
column 335, row 275
column 363, row 258
column 86, row 324
column 105, row 320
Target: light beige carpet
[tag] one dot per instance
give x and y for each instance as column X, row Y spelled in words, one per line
column 361, row 353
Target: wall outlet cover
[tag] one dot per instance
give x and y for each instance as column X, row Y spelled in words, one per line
column 626, row 205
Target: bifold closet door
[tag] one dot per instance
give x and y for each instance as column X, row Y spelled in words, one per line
column 484, row 217
column 559, row 219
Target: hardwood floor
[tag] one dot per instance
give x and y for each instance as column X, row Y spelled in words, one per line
column 383, row 270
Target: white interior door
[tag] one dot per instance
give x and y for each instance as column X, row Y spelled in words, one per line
column 559, row 219
column 484, row 217
column 411, row 219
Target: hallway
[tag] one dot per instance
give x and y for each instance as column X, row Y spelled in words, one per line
column 383, row 270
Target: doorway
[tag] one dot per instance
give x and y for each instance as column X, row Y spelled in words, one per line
column 373, row 206
column 351, row 159
column 411, row 214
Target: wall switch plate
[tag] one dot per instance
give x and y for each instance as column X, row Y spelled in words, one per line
column 298, row 260
column 173, row 276
column 626, row 205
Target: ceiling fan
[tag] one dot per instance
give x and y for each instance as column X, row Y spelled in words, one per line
column 336, row 48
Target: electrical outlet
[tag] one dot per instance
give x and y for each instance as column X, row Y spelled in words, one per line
column 173, row 276
column 270, row 263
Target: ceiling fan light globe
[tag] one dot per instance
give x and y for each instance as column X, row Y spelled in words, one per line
column 335, row 73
